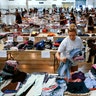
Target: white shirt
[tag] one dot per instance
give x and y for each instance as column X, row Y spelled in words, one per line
column 67, row 45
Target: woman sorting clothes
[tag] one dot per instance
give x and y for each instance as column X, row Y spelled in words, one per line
column 69, row 51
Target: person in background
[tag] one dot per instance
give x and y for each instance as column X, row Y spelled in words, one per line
column 90, row 24
column 16, row 11
column 26, row 41
column 63, row 19
column 94, row 20
column 0, row 16
column 30, row 11
column 18, row 18
column 63, row 53
column 72, row 18
column 0, row 13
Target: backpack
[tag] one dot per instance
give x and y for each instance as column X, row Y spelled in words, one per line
column 40, row 45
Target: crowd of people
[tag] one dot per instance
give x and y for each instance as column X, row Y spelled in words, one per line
column 65, row 16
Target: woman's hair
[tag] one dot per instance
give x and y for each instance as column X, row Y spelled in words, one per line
column 72, row 28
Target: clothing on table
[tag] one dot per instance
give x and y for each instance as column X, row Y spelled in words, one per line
column 4, row 83
column 90, row 83
column 37, row 87
column 36, row 90
column 78, row 75
column 77, row 87
column 54, row 87
column 93, row 71
column 90, row 80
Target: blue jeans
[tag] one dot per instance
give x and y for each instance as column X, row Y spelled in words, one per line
column 64, row 69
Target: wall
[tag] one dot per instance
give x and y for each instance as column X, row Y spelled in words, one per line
column 91, row 3
column 4, row 4
column 36, row 3
column 39, row 3
column 17, row 4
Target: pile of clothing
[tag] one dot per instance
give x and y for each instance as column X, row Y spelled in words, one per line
column 75, row 56
column 11, row 77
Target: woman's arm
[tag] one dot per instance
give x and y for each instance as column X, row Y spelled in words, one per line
column 62, row 59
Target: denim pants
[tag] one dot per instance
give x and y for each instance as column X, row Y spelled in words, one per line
column 64, row 69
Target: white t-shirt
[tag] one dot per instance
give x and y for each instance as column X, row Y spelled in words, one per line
column 67, row 45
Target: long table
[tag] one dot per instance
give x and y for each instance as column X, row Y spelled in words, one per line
column 34, row 56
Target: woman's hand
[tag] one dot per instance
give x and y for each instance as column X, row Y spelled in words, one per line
column 63, row 59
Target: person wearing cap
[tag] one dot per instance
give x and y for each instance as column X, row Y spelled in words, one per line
column 66, row 46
